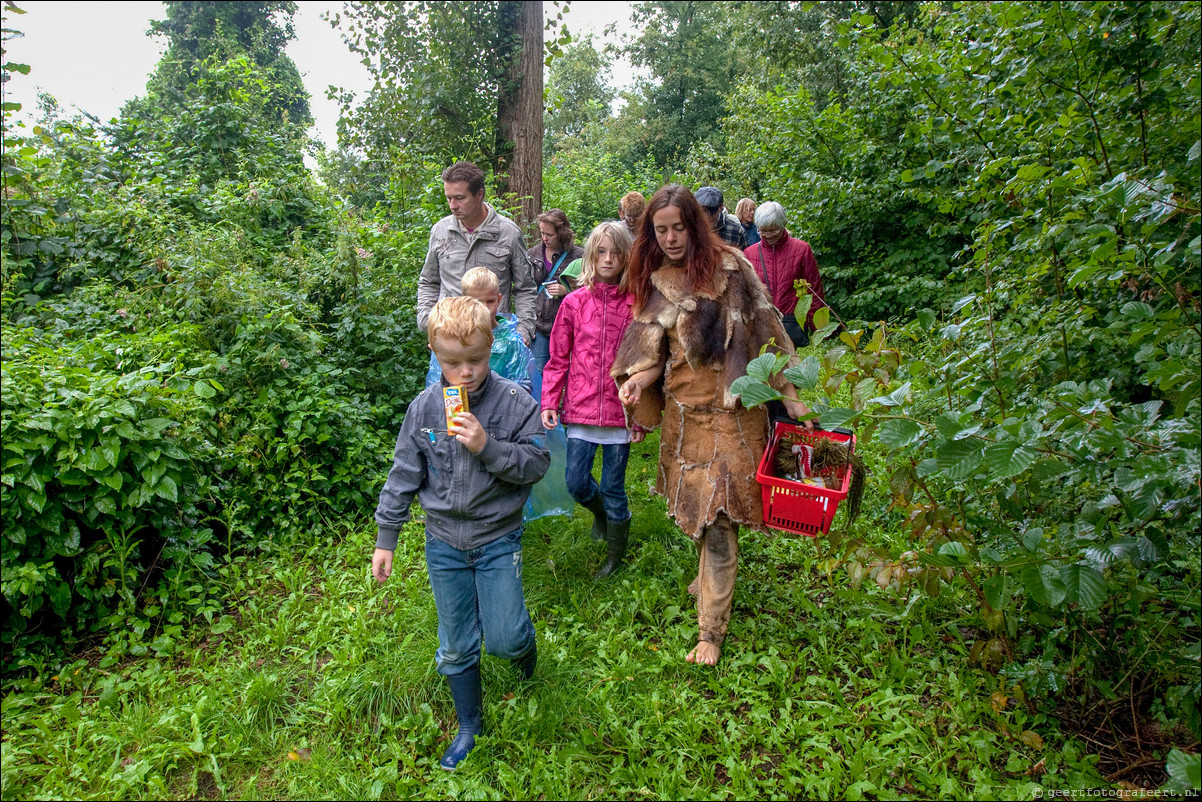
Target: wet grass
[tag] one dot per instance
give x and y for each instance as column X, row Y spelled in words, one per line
column 318, row 685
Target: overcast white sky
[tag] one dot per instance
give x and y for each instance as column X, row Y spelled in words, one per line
column 95, row 56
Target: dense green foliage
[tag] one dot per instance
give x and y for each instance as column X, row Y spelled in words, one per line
column 1044, row 415
column 206, row 354
column 199, row 357
column 200, row 30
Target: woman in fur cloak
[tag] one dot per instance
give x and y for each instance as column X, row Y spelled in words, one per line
column 700, row 315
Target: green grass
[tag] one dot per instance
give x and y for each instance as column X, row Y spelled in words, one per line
column 323, row 686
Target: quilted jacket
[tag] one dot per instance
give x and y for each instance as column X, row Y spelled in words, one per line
column 584, row 341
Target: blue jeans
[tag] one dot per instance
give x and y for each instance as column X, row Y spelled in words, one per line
column 540, row 349
column 478, row 592
column 580, row 480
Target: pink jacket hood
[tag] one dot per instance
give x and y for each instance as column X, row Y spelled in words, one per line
column 584, row 342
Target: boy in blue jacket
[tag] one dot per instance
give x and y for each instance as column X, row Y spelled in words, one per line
column 472, row 479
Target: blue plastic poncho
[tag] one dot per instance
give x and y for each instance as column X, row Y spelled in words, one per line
column 511, row 359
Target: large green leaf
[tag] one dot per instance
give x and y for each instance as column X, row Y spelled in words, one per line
column 60, row 596
column 805, row 375
column 167, row 488
column 1184, row 770
column 895, row 398
column 927, row 467
column 763, row 366
column 1152, row 547
column 837, row 417
column 1044, row 585
column 753, row 393
column 950, row 426
column 898, row 433
column 997, row 591
column 805, row 301
column 1084, row 585
column 821, row 333
column 1007, row 459
column 959, row 459
column 956, row 552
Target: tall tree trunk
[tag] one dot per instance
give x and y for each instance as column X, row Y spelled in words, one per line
column 520, row 112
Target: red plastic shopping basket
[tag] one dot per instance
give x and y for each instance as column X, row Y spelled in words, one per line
column 795, row 506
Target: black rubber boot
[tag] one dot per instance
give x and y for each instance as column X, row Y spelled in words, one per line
column 617, row 537
column 525, row 664
column 596, row 505
column 469, row 709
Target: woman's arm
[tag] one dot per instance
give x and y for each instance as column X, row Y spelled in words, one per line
column 632, row 389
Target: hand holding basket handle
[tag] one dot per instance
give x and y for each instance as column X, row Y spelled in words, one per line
column 801, row 414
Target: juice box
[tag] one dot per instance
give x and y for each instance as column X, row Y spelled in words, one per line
column 454, row 398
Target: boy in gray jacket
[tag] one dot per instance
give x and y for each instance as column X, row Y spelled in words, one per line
column 472, row 479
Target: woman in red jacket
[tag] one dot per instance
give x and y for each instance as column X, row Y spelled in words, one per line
column 584, row 341
column 779, row 260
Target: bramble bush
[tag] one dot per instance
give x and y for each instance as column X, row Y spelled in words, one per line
column 1042, row 428
column 227, row 372
column 104, row 439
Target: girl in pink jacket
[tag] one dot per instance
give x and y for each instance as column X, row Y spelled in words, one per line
column 584, row 341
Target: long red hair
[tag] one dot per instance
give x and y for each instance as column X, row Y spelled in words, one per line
column 702, row 255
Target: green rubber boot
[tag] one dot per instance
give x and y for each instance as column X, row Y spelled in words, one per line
column 596, row 505
column 617, row 537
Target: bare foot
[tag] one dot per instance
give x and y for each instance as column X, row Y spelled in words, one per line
column 704, row 653
column 694, row 585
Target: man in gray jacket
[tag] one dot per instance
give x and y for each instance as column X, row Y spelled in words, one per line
column 474, row 235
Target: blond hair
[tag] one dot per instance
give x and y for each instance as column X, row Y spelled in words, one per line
column 480, row 279
column 459, row 318
column 632, row 205
column 744, row 206
column 622, row 241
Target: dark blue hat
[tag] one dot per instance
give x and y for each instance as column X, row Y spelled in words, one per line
column 710, row 198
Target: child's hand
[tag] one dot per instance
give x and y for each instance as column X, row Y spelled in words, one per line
column 550, row 418
column 468, row 431
column 630, row 392
column 637, row 435
column 381, row 565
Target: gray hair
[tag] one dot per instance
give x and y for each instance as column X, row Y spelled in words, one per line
column 770, row 214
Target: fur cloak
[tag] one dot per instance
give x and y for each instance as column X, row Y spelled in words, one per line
column 710, row 445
